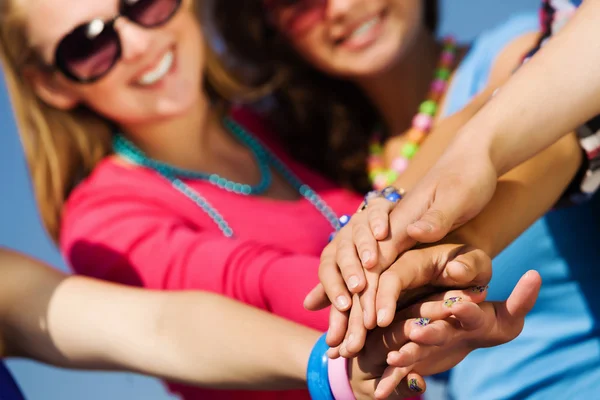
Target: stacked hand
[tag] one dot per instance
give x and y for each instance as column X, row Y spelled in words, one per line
column 371, row 259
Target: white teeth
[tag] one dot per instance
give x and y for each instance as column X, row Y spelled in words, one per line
column 159, row 72
column 366, row 27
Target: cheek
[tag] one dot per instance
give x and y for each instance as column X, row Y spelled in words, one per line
column 301, row 21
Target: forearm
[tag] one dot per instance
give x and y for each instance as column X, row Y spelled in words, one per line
column 522, row 196
column 194, row 337
column 552, row 94
column 437, row 143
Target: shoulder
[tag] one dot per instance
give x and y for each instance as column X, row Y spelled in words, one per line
column 112, row 179
column 114, row 191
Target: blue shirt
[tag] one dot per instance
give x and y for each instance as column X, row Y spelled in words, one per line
column 8, row 387
column 557, row 356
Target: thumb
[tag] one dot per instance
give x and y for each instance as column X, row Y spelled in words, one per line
column 455, row 197
column 523, row 297
column 442, row 215
column 511, row 313
column 316, row 299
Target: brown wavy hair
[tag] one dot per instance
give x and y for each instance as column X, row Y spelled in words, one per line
column 324, row 122
column 62, row 147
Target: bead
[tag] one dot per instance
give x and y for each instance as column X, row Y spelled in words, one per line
column 399, row 164
column 393, row 197
column 442, row 73
column 416, row 135
column 450, row 43
column 428, row 107
column 409, row 150
column 375, row 162
column 375, row 173
column 375, row 148
column 438, row 86
column 447, row 59
column 435, row 95
column 391, row 177
column 344, row 219
column 380, row 182
column 422, row 122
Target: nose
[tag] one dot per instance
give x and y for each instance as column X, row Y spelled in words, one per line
column 339, row 9
column 135, row 40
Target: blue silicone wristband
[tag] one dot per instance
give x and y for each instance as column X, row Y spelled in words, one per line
column 317, row 375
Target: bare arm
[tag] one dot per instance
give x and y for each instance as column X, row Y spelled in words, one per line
column 78, row 322
column 524, row 193
column 556, row 91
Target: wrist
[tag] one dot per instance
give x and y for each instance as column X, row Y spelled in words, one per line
column 480, row 142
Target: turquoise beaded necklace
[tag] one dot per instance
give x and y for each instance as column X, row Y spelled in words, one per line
column 264, row 158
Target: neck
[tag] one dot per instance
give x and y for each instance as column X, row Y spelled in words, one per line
column 183, row 141
column 398, row 92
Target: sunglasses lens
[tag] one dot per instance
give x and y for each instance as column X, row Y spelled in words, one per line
column 149, row 13
column 89, row 51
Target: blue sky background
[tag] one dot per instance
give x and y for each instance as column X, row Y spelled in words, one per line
column 20, row 228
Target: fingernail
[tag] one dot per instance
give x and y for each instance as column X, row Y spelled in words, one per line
column 381, row 316
column 350, row 338
column 353, row 282
column 378, row 231
column 422, row 321
column 479, row 289
column 422, row 225
column 413, row 385
column 342, row 302
column 452, row 301
column 366, row 256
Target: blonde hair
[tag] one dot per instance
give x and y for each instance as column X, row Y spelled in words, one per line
column 62, row 147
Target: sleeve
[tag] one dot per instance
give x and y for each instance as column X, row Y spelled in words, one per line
column 136, row 241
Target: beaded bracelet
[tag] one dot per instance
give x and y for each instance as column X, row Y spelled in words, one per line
column 390, row 193
column 317, row 374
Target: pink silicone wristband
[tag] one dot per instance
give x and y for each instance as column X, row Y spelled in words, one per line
column 337, row 370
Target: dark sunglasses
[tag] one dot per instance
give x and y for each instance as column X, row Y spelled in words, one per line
column 92, row 49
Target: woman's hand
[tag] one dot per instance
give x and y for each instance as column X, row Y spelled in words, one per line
column 415, row 274
column 459, row 327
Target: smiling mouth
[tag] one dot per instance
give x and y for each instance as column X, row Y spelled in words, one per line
column 363, row 33
column 161, row 69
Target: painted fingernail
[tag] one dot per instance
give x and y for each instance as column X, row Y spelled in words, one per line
column 452, row 301
column 366, row 256
column 353, row 282
column 413, row 385
column 479, row 289
column 422, row 321
column 381, row 315
column 342, row 302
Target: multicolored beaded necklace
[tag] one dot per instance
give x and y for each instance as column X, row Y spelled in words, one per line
column 265, row 159
column 381, row 176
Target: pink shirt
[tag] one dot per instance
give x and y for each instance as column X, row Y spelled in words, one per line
column 129, row 225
